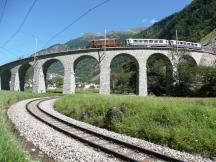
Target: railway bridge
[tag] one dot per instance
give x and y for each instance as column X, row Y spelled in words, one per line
column 12, row 75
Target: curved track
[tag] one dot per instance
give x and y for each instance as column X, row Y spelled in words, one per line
column 122, row 150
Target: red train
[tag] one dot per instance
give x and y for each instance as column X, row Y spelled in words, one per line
column 102, row 43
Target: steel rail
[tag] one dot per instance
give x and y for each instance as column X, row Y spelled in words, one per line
column 136, row 149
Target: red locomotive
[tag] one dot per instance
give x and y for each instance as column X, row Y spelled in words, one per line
column 102, row 43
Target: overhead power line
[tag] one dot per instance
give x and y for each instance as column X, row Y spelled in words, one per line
column 76, row 20
column 3, row 10
column 21, row 25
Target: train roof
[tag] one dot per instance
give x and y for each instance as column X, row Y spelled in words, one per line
column 103, row 39
column 145, row 39
column 185, row 41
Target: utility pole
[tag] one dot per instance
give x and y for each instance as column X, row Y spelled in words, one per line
column 177, row 40
column 103, row 49
column 105, row 38
column 35, row 53
column 35, row 59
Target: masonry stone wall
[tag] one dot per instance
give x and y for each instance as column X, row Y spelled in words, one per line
column 104, row 60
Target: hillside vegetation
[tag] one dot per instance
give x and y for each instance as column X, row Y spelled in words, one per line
column 180, row 123
column 83, row 41
column 209, row 41
column 193, row 23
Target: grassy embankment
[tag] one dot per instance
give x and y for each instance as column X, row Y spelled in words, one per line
column 10, row 148
column 187, row 124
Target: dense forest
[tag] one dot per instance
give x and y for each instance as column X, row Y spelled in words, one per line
column 193, row 23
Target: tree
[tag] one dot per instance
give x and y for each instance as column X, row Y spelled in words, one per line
column 206, row 80
column 124, row 75
column 58, row 81
column 159, row 71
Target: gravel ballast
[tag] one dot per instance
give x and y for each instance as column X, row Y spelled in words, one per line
column 63, row 148
column 53, row 143
column 48, row 107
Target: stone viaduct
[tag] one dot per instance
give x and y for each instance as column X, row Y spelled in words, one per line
column 12, row 75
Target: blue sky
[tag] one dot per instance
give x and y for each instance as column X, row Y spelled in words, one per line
column 50, row 16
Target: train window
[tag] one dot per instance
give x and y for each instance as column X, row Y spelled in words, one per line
column 181, row 42
column 145, row 41
column 150, row 41
column 188, row 44
column 192, row 44
column 135, row 40
column 184, row 43
column 160, row 41
column 155, row 41
column 196, row 45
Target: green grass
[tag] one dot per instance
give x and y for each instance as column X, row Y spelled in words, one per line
column 57, row 91
column 10, row 148
column 187, row 124
column 86, row 91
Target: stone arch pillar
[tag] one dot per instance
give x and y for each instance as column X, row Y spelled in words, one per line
column 104, row 78
column 38, row 78
column 143, row 89
column 69, row 78
column 15, row 82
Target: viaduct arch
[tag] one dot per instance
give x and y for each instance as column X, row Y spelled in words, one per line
column 155, row 73
column 22, row 74
column 82, row 60
column 127, row 56
column 12, row 74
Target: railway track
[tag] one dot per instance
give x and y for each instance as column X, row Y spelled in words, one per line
column 119, row 149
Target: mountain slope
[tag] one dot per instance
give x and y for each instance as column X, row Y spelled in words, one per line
column 86, row 70
column 193, row 23
column 209, row 41
column 83, row 41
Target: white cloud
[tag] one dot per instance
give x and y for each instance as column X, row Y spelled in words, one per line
column 144, row 20
column 152, row 21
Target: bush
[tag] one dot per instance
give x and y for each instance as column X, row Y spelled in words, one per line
column 180, row 123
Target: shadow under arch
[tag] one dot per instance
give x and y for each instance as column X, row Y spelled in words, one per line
column 188, row 58
column 186, row 64
column 23, row 70
column 87, row 73
column 186, row 79
column 124, row 74
column 5, row 80
column 53, row 66
column 76, row 62
column 159, row 75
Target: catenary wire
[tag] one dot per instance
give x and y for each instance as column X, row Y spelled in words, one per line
column 3, row 10
column 76, row 20
column 21, row 25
